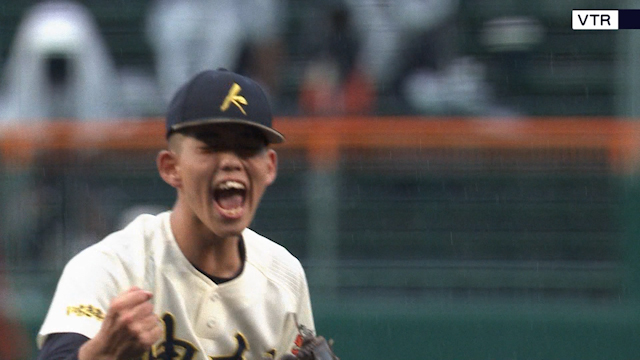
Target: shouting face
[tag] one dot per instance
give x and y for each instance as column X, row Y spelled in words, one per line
column 220, row 172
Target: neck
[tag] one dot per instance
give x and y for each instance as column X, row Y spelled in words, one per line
column 214, row 255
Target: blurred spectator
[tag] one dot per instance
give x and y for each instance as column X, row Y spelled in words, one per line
column 188, row 36
column 402, row 38
column 333, row 81
column 399, row 34
column 510, row 42
column 58, row 66
column 409, row 49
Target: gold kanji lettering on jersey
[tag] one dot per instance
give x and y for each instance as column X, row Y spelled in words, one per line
column 172, row 348
column 241, row 347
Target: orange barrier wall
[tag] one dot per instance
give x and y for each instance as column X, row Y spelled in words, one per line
column 324, row 137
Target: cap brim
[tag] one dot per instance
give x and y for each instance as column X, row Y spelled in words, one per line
column 273, row 136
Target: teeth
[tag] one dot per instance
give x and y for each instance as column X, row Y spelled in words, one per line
column 228, row 185
column 233, row 212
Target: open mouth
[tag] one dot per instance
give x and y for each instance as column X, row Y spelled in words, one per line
column 230, row 196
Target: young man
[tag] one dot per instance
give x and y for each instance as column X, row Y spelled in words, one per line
column 193, row 282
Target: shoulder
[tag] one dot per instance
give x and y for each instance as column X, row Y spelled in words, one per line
column 272, row 259
column 101, row 272
column 144, row 226
column 126, row 246
column 281, row 272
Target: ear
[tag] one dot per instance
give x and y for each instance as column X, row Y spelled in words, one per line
column 167, row 163
column 272, row 166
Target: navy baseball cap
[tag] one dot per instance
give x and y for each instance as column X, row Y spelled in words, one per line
column 217, row 97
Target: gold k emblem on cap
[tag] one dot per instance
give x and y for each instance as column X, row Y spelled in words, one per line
column 234, row 98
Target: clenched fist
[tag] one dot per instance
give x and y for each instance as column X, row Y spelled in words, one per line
column 129, row 328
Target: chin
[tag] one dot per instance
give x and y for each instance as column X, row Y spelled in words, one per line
column 231, row 229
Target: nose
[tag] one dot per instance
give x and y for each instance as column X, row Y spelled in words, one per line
column 230, row 161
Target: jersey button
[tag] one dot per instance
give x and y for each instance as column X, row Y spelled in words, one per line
column 211, row 323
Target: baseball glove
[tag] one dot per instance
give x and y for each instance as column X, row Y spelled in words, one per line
column 313, row 348
column 310, row 346
column 316, row 348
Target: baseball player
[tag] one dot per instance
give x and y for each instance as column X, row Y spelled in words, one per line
column 193, row 282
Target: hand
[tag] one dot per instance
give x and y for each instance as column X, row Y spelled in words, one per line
column 315, row 348
column 129, row 328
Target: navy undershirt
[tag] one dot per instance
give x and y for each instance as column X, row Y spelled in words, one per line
column 65, row 346
column 62, row 346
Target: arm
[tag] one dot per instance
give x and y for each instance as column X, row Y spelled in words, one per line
column 62, row 346
column 96, row 297
column 129, row 329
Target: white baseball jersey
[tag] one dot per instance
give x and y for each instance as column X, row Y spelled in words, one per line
column 249, row 317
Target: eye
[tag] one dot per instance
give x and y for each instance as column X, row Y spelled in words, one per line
column 207, row 149
column 242, row 150
column 248, row 150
